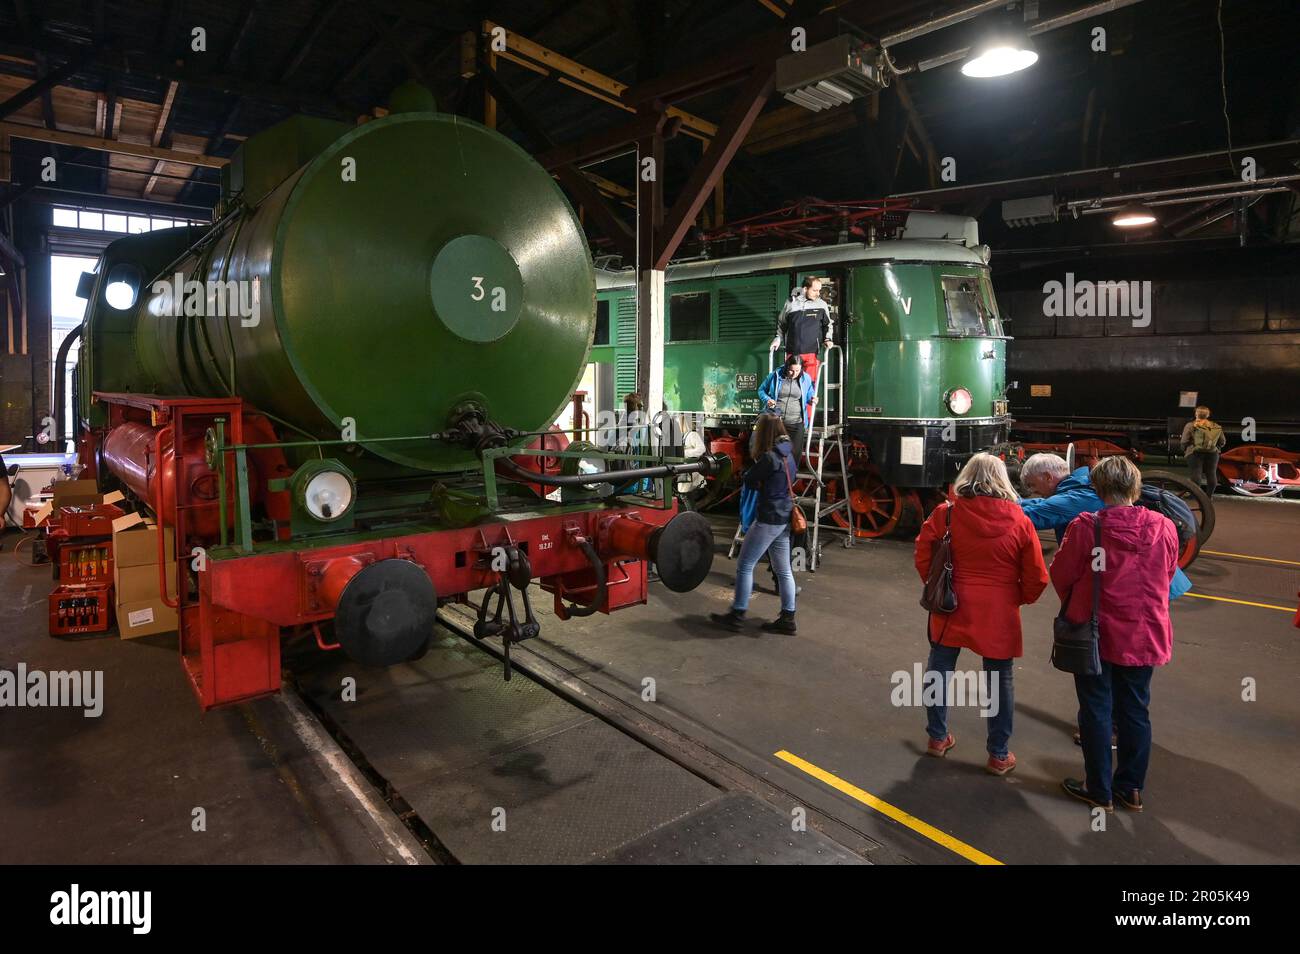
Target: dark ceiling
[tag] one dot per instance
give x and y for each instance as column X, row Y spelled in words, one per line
column 1155, row 93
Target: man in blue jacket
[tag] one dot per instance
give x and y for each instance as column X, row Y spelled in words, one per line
column 1062, row 496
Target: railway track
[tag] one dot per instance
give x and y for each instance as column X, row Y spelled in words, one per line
column 549, row 768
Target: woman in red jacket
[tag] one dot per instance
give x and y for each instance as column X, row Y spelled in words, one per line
column 1138, row 559
column 997, row 568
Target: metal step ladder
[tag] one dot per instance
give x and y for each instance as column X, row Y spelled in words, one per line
column 830, row 440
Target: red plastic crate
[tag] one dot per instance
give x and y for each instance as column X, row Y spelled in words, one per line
column 93, row 520
column 81, row 608
column 86, row 562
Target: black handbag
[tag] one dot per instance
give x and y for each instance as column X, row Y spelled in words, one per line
column 939, row 595
column 1075, row 645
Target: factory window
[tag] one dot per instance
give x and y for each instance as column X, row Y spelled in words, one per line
column 99, row 220
column 602, row 323
column 966, row 313
column 688, row 317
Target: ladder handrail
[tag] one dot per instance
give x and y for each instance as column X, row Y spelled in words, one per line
column 824, row 404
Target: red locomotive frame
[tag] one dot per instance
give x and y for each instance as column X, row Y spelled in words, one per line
column 233, row 610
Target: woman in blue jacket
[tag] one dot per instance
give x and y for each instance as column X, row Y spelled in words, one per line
column 768, row 479
column 789, row 393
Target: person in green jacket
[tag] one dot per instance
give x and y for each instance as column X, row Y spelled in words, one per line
column 1202, row 441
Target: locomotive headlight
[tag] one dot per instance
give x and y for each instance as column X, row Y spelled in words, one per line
column 958, row 400
column 323, row 490
column 328, row 495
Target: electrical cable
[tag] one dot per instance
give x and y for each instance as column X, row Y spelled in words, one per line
column 1223, row 87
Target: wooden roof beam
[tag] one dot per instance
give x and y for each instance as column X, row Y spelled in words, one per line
column 540, row 59
column 46, row 82
column 161, row 133
column 58, row 137
column 750, row 99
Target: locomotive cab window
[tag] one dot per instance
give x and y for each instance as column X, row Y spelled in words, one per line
column 602, row 323
column 689, row 317
column 967, row 314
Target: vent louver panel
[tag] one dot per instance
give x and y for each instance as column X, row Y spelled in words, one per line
column 747, row 311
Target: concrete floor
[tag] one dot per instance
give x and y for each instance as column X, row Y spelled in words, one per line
column 122, row 788
column 1224, row 784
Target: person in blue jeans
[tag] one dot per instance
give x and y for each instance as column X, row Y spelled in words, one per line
column 1135, row 632
column 1060, row 497
column 997, row 568
column 769, row 499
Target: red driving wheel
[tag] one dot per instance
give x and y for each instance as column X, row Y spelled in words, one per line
column 875, row 506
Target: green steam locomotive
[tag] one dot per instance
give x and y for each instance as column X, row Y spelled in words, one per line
column 923, row 368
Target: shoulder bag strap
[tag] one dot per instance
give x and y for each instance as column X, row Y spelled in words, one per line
column 1096, row 574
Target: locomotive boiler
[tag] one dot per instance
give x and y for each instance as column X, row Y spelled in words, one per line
column 339, row 396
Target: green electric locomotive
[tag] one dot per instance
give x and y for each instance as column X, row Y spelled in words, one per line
column 923, row 361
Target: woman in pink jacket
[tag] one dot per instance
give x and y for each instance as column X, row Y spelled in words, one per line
column 1138, row 558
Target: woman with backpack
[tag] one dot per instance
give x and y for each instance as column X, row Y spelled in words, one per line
column 767, row 490
column 1132, row 555
column 1202, row 441
column 997, row 567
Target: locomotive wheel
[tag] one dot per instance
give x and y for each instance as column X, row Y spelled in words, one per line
column 1195, row 498
column 875, row 506
column 1251, row 489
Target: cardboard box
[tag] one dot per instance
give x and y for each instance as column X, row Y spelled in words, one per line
column 75, row 493
column 135, row 542
column 144, row 618
column 134, row 583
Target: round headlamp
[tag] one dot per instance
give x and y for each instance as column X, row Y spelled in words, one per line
column 324, row 490
column 958, row 400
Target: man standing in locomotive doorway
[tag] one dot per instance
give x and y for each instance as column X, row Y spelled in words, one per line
column 805, row 326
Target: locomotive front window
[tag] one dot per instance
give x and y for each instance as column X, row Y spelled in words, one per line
column 966, row 312
column 688, row 317
column 602, row 322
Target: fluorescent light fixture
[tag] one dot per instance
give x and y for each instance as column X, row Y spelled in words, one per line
column 1000, row 52
column 1133, row 217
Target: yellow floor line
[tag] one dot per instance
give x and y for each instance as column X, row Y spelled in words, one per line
column 1224, row 599
column 1246, row 556
column 897, row 814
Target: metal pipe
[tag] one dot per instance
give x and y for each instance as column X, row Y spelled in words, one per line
column 1044, row 26
column 1051, row 179
column 707, row 464
column 1191, row 198
column 940, row 23
column 60, row 363
column 1182, row 190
